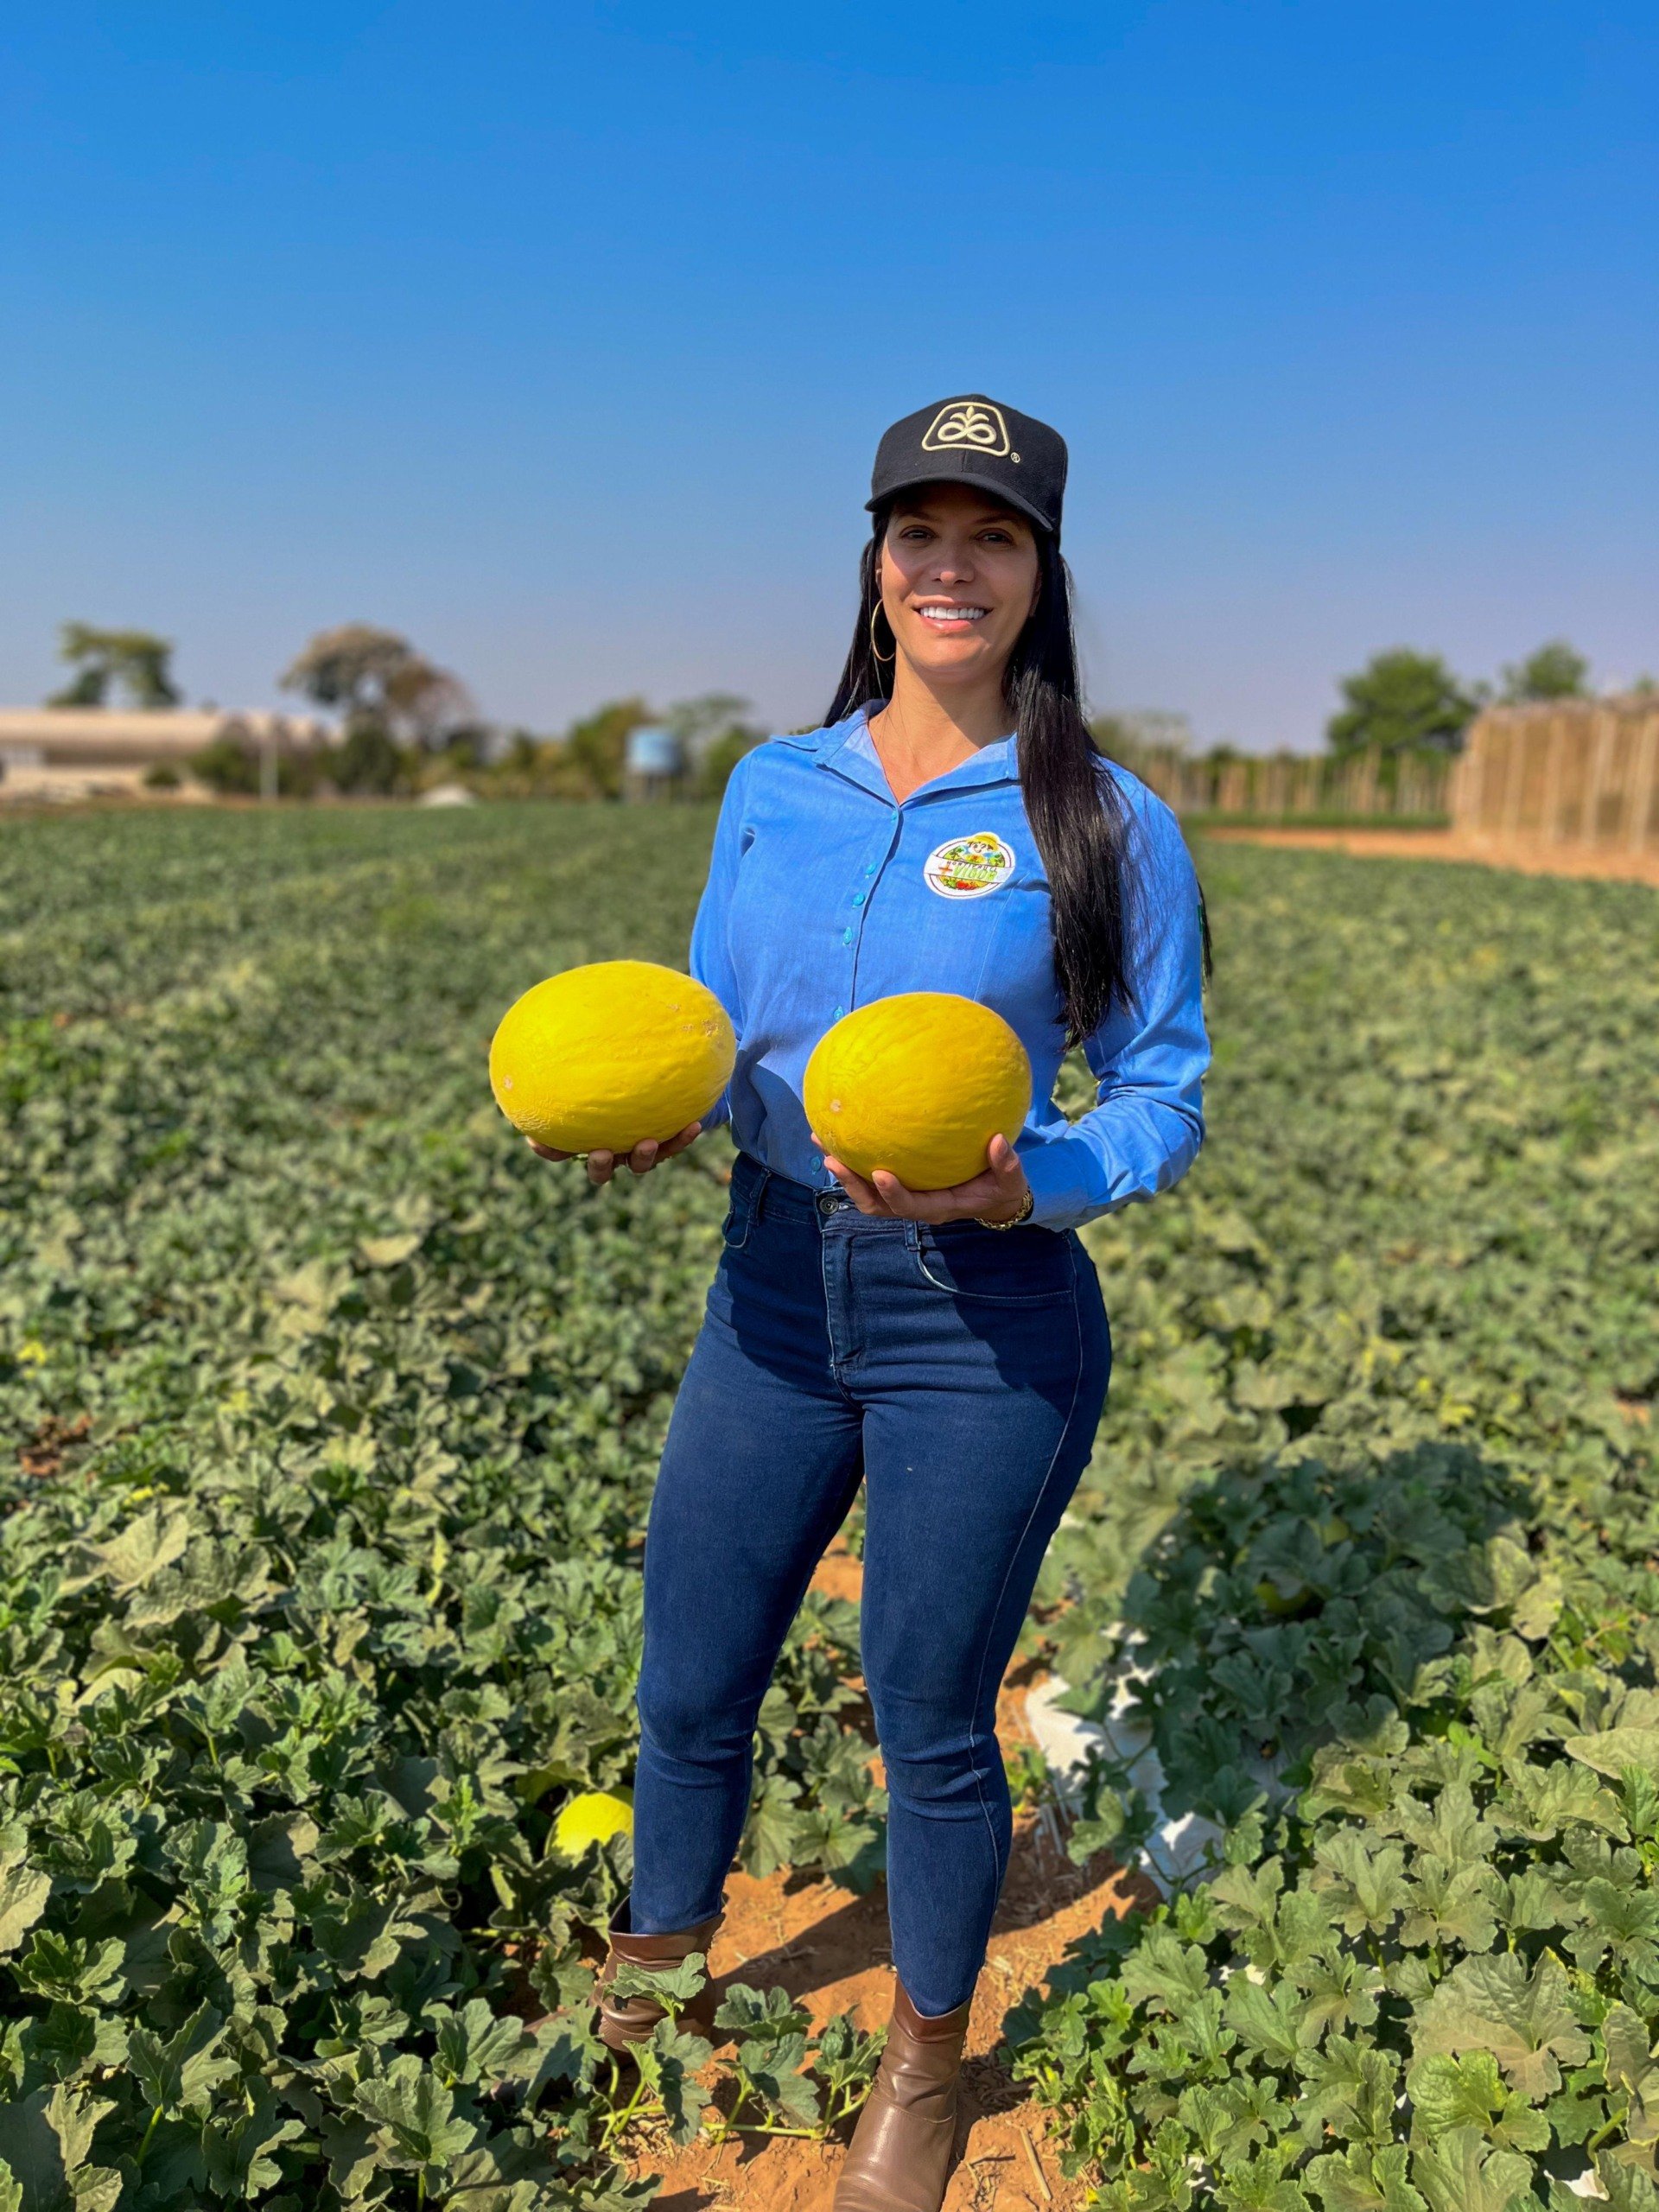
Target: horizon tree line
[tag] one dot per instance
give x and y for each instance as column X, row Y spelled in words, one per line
column 404, row 720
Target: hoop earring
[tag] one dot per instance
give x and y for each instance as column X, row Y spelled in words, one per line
column 875, row 648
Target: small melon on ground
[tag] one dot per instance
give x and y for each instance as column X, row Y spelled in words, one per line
column 918, row 1084
column 600, row 1058
column 593, row 1817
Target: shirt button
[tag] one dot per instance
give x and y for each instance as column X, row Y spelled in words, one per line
column 858, row 898
column 839, row 1014
column 846, row 937
column 869, row 871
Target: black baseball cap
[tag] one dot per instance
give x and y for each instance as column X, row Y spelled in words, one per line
column 976, row 441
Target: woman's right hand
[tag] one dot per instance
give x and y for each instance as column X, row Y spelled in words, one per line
column 601, row 1165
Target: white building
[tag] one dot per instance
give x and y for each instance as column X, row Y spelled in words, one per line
column 94, row 751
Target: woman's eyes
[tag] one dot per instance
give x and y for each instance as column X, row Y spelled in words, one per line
column 917, row 534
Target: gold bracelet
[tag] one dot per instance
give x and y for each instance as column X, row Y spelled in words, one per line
column 1024, row 1214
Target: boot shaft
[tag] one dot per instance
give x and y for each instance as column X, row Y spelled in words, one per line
column 625, row 2020
column 899, row 2159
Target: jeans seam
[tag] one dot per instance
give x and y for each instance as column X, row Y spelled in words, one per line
column 1042, row 1492
column 753, row 1204
column 835, row 1362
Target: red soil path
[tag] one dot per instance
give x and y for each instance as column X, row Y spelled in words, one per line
column 829, row 1951
column 1530, row 856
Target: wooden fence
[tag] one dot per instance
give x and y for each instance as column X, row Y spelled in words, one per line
column 1287, row 787
column 1571, row 772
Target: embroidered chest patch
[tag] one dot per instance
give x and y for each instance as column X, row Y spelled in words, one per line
column 967, row 867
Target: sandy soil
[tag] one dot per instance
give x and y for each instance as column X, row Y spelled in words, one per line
column 1528, row 856
column 829, row 1950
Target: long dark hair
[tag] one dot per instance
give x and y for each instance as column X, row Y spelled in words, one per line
column 1078, row 815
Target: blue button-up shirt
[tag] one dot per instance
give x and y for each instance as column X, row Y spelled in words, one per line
column 824, row 895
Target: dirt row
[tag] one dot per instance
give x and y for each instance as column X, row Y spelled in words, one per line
column 1529, row 857
column 829, row 1951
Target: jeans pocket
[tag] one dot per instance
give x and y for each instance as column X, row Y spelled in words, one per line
column 740, row 1220
column 1014, row 1267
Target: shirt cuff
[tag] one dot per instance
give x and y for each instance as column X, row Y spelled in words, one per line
column 1059, row 1173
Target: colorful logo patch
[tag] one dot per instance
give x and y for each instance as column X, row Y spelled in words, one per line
column 968, row 866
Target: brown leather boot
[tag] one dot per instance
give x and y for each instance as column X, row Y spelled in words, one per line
column 899, row 2160
column 625, row 2020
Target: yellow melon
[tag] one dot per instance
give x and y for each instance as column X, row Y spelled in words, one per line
column 593, row 1817
column 918, row 1084
column 600, row 1058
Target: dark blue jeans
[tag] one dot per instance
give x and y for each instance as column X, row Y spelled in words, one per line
column 960, row 1373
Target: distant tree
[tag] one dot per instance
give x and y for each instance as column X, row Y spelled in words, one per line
column 524, row 756
column 466, row 747
column 375, row 679
column 1402, row 702
column 135, row 660
column 368, row 761
column 1555, row 671
column 703, row 722
column 232, row 765
column 596, row 748
column 714, row 734
column 714, row 770
column 1143, row 739
column 229, row 765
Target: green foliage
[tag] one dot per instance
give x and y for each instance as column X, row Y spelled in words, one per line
column 400, row 736
column 772, row 2076
column 1555, row 671
column 595, row 745
column 132, row 661
column 377, row 680
column 724, row 752
column 775, row 2077
column 368, row 762
column 714, row 735
column 1402, row 702
column 1373, row 1523
column 229, row 765
column 318, row 1587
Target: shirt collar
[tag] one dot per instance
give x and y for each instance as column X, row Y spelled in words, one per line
column 846, row 747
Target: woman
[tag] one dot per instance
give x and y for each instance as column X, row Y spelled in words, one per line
column 947, row 1348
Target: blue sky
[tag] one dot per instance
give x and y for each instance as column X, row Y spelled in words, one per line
column 559, row 335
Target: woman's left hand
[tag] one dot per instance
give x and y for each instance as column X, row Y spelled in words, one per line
column 997, row 1195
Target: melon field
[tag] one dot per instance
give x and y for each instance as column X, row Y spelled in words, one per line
column 331, row 1416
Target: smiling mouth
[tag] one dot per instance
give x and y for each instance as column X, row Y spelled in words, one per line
column 937, row 611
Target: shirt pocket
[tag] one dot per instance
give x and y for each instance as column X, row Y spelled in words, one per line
column 1012, row 1267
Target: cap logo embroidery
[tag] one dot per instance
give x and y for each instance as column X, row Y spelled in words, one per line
column 967, row 868
column 972, row 424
